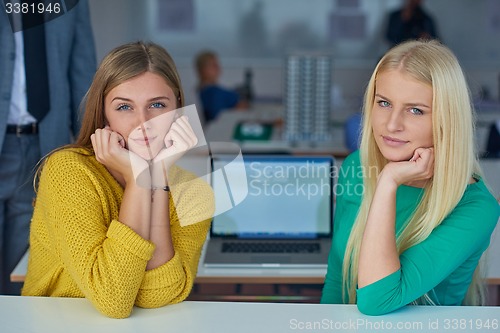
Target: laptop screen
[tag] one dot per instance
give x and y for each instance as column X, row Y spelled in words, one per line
column 284, row 196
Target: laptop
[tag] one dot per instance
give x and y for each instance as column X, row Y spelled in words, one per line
column 281, row 211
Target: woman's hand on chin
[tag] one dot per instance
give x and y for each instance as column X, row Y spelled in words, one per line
column 417, row 171
column 109, row 149
column 179, row 139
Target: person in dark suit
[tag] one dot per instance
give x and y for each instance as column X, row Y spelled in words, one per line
column 493, row 144
column 31, row 128
column 410, row 22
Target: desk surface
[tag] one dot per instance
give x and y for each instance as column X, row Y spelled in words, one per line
column 226, row 275
column 291, row 275
column 54, row 315
column 261, row 275
column 222, row 129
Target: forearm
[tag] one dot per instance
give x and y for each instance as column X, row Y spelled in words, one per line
column 172, row 282
column 160, row 233
column 135, row 209
column 378, row 253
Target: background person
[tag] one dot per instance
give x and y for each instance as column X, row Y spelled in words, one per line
column 352, row 131
column 213, row 97
column 41, row 94
column 410, row 22
column 493, row 143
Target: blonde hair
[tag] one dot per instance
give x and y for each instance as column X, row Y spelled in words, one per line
column 455, row 161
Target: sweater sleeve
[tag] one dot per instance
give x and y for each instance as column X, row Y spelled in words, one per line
column 459, row 240
column 97, row 251
column 191, row 210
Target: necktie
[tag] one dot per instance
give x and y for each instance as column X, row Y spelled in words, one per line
column 35, row 62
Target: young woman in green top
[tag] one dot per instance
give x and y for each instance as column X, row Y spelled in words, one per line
column 418, row 229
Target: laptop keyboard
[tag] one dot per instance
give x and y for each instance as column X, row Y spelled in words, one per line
column 258, row 247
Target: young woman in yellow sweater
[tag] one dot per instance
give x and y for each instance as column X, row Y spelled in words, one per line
column 105, row 225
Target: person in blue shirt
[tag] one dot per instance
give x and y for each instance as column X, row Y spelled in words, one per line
column 352, row 131
column 213, row 97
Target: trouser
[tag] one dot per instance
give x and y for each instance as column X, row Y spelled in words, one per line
column 18, row 159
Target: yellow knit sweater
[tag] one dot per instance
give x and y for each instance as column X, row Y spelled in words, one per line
column 78, row 248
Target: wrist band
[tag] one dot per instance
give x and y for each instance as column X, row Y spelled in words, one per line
column 165, row 188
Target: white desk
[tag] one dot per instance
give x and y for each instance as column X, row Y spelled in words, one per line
column 290, row 275
column 261, row 275
column 223, row 127
column 491, row 264
column 224, row 275
column 55, row 315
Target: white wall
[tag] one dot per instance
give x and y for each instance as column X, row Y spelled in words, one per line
column 490, row 169
column 470, row 27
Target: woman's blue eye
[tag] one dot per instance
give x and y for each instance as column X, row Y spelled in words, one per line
column 123, row 107
column 416, row 111
column 158, row 105
column 383, row 104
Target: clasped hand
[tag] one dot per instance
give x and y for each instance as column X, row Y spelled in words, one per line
column 179, row 139
column 127, row 166
column 418, row 170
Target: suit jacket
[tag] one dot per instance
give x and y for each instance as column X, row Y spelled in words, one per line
column 71, row 67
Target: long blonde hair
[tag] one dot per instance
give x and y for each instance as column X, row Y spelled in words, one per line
column 455, row 161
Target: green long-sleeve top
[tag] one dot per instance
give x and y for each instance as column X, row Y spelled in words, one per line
column 442, row 265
